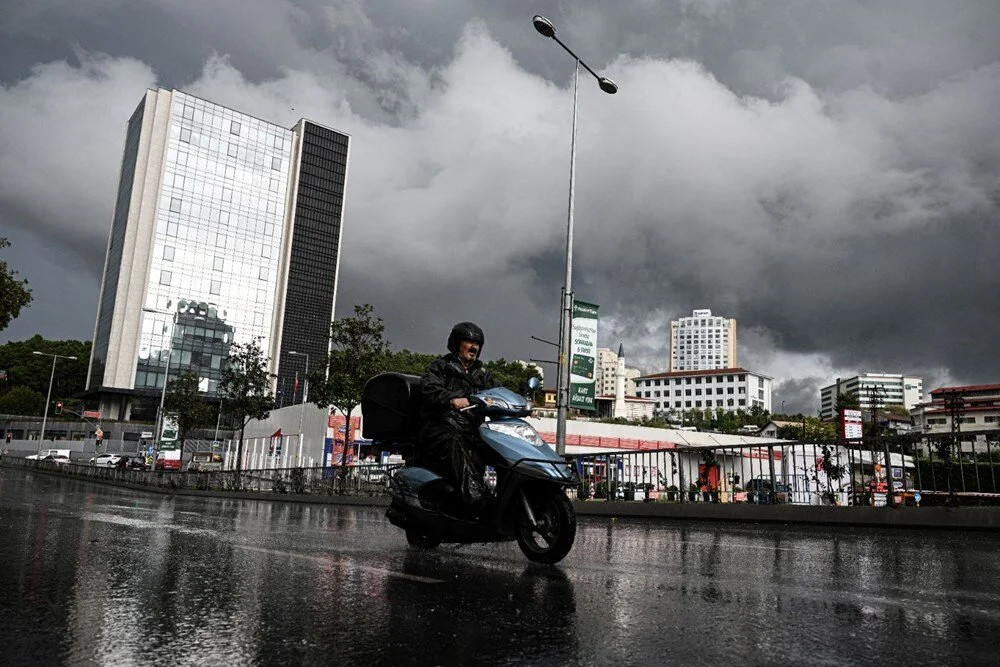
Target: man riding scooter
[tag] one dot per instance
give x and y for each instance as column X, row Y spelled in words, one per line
column 449, row 431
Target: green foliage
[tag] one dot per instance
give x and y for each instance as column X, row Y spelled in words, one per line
column 14, row 293
column 897, row 410
column 812, row 429
column 246, row 387
column 948, row 475
column 25, row 369
column 358, row 352
column 22, row 401
column 185, row 401
column 511, row 374
column 412, row 363
column 847, row 401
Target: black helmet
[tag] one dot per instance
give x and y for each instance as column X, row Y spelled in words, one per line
column 465, row 331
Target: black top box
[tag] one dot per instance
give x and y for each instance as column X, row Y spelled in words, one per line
column 390, row 404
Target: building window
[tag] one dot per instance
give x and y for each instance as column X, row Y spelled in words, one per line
column 262, row 273
column 188, row 112
column 168, row 253
column 215, row 287
column 276, row 163
column 231, row 151
column 175, row 205
column 165, row 277
column 217, row 263
column 185, row 135
column 234, row 127
column 743, row 401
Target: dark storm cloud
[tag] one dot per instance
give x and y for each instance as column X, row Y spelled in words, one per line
column 824, row 172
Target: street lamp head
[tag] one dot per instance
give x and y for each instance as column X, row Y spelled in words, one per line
column 607, row 85
column 38, row 353
column 544, row 26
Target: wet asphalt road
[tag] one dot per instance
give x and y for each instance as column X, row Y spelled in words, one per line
column 92, row 574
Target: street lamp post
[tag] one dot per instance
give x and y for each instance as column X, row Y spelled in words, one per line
column 547, row 29
column 166, row 377
column 305, row 394
column 48, row 397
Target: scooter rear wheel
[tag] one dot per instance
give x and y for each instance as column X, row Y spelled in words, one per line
column 422, row 540
column 552, row 537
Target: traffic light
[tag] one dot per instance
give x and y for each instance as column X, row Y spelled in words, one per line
column 58, row 407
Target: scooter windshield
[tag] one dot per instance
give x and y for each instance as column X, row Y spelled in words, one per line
column 502, row 402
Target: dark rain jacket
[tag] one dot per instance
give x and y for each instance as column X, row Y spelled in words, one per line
column 445, row 379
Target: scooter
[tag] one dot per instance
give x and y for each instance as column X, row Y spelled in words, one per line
column 529, row 502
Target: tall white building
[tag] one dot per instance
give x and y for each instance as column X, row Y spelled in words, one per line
column 607, row 373
column 702, row 342
column 226, row 229
column 731, row 389
column 891, row 388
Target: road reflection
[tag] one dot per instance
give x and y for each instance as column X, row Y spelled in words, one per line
column 101, row 575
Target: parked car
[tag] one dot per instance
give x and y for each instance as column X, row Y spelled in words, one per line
column 759, row 492
column 130, row 462
column 105, row 460
column 49, row 452
column 60, row 459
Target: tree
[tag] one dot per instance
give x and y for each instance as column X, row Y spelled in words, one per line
column 411, row 363
column 14, row 293
column 811, row 429
column 22, row 401
column 246, row 387
column 187, row 403
column 358, row 351
column 32, row 370
column 512, row 374
column 847, row 401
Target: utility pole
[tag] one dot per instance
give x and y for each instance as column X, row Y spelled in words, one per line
column 954, row 401
column 874, row 403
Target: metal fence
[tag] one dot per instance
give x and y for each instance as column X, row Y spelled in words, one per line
column 889, row 470
column 353, row 480
column 952, row 469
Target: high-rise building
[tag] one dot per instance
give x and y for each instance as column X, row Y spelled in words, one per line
column 888, row 389
column 226, row 229
column 702, row 342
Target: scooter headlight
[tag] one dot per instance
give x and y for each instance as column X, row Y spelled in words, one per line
column 521, row 431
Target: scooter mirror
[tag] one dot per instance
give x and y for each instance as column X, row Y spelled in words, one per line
column 531, row 385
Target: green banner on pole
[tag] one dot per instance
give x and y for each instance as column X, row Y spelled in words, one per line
column 583, row 356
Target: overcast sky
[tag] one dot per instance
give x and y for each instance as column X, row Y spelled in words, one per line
column 828, row 173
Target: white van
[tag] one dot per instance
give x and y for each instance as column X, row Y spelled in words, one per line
column 45, row 452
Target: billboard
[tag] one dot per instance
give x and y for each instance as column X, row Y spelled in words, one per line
column 583, row 356
column 851, row 427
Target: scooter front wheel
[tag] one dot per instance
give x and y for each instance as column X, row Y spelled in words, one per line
column 422, row 540
column 551, row 536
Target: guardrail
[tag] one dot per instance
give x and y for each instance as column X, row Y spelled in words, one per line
column 953, row 469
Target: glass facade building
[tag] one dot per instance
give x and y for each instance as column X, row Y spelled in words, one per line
column 226, row 229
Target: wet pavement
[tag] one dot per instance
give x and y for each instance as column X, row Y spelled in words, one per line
column 92, row 574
